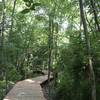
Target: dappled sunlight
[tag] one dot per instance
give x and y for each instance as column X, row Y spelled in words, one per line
column 39, row 82
column 6, row 99
column 49, row 49
column 30, row 81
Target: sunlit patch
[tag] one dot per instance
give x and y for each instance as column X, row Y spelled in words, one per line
column 39, row 82
column 6, row 99
column 30, row 81
column 59, row 81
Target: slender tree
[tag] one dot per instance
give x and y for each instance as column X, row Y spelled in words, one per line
column 55, row 39
column 95, row 14
column 50, row 52
column 88, row 46
column 12, row 17
column 3, row 27
column 50, row 48
column 2, row 43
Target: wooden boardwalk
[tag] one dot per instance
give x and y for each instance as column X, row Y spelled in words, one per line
column 28, row 89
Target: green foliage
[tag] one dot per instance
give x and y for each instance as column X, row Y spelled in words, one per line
column 25, row 11
column 30, row 6
column 27, row 51
column 2, row 84
column 25, row 0
column 2, row 89
column 12, row 73
column 72, row 78
column 34, row 5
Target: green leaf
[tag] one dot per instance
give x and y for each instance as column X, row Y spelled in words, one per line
column 25, row 11
column 28, row 4
column 26, row 0
column 31, row 1
column 34, row 5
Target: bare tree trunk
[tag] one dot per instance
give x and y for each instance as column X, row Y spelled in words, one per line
column 95, row 14
column 3, row 27
column 88, row 46
column 10, row 32
column 2, row 44
column 55, row 73
column 50, row 49
column 49, row 53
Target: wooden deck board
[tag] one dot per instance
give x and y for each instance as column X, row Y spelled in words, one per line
column 28, row 89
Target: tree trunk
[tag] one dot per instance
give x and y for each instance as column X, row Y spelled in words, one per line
column 49, row 53
column 2, row 45
column 55, row 73
column 88, row 46
column 10, row 32
column 95, row 14
column 50, row 48
column 2, row 30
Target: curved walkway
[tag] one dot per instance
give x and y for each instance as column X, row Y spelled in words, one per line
column 28, row 89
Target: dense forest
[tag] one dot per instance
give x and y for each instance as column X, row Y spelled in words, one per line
column 61, row 36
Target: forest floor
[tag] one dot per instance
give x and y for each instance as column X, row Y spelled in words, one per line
column 29, row 89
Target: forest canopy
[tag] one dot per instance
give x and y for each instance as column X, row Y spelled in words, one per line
column 61, row 36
